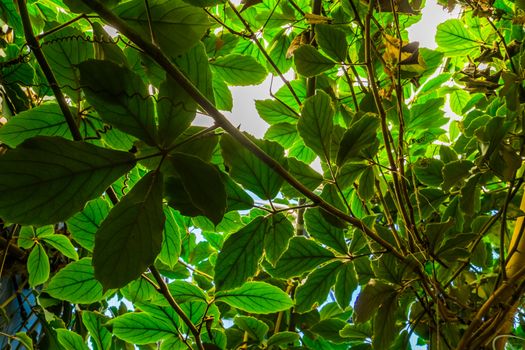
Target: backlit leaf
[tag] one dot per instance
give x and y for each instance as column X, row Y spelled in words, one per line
column 76, row 283
column 38, row 266
column 310, row 62
column 256, row 297
column 237, row 69
column 140, row 328
column 239, row 257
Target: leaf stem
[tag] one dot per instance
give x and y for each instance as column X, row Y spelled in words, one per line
column 163, row 289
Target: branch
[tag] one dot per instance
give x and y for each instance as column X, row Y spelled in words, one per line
column 33, row 44
column 163, row 289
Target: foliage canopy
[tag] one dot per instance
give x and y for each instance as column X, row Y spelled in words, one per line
column 410, row 230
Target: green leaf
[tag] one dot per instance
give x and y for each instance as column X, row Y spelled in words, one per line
column 345, row 285
column 239, row 257
column 222, row 95
column 316, row 124
column 239, row 70
column 141, row 328
column 29, row 235
column 171, row 239
column 203, row 183
column 324, row 232
column 274, row 112
column 301, row 256
column 63, row 245
column 349, row 173
column 427, row 115
column 184, row 291
column 139, row 290
column 64, row 50
column 25, row 340
column 37, row 266
column 176, row 25
column 310, row 178
column 47, row 179
column 120, row 98
column 329, row 329
column 429, row 171
column 455, row 39
column 332, row 41
column 237, row 199
column 85, row 224
column 278, row 232
column 310, row 62
column 358, row 137
column 470, row 197
column 76, row 283
column 283, row 133
column 315, row 289
column 250, row 171
column 455, row 172
column 105, row 49
column 256, row 329
column 176, row 110
column 71, row 340
column 93, row 322
column 367, row 182
column 46, row 120
column 257, row 298
column 370, row 298
column 130, row 238
column 385, row 329
column 354, row 331
column 282, row 338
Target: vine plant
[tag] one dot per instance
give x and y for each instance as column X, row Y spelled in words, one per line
column 410, row 230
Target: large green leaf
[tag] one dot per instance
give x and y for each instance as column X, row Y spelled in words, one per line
column 94, row 324
column 47, row 179
column 64, row 50
column 120, row 97
column 256, row 329
column 239, row 257
column 250, row 171
column 130, row 238
column 316, row 124
column 385, row 329
column 203, row 183
column 141, row 328
column 358, row 137
column 171, row 239
column 315, row 289
column 256, row 298
column 370, row 298
column 319, row 228
column 71, row 340
column 76, row 283
column 301, row 256
column 85, row 224
column 38, row 266
column 237, row 69
column 62, row 244
column 455, row 39
column 332, row 40
column 345, row 285
column 274, row 112
column 310, row 62
column 176, row 25
column 46, row 120
column 279, row 230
